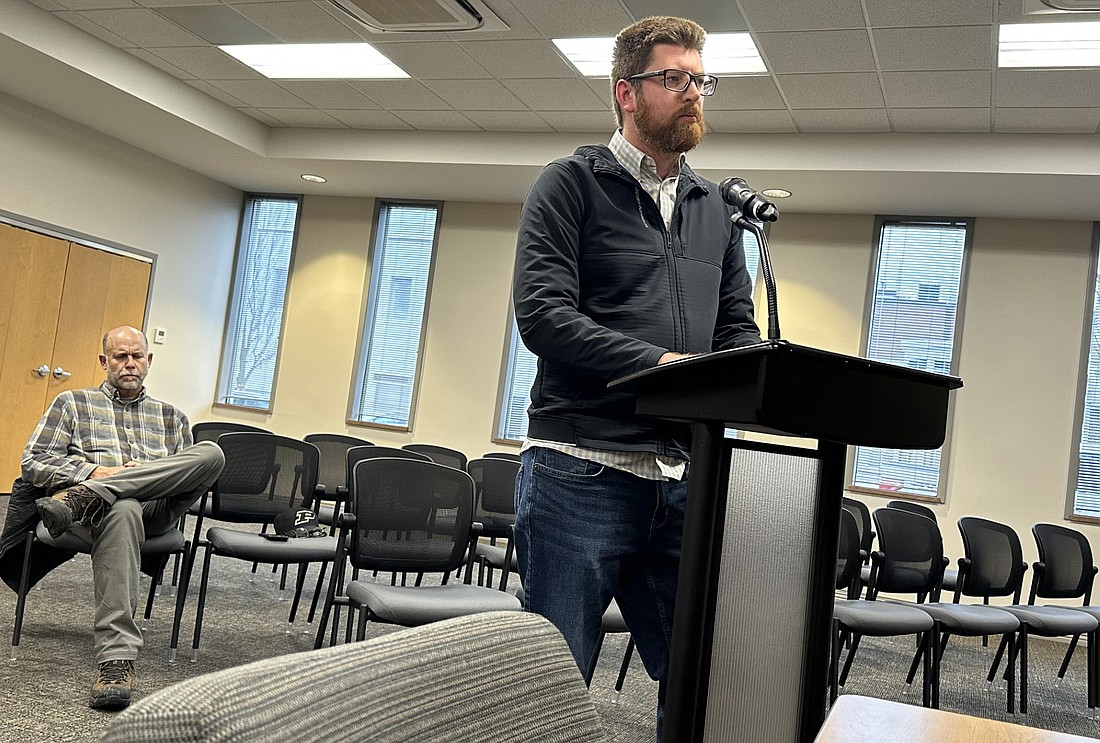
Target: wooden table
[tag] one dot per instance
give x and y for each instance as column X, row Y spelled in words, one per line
column 856, row 719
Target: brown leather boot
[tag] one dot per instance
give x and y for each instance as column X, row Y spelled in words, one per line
column 78, row 504
column 111, row 689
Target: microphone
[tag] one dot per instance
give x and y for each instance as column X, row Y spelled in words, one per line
column 752, row 208
column 737, row 193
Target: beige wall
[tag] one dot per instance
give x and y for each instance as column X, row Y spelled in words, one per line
column 61, row 174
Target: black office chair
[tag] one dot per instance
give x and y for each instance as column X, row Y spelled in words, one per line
column 332, row 473
column 1066, row 570
column 993, row 565
column 440, row 454
column 264, row 476
column 501, row 455
column 866, row 537
column 950, row 574
column 409, row 517
column 495, row 510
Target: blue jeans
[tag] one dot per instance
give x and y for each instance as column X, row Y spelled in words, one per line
column 586, row 533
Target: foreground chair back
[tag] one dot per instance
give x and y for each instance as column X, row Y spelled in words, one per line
column 440, row 454
column 495, row 510
column 950, row 575
column 505, row 676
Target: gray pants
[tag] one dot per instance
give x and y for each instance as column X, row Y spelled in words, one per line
column 147, row 499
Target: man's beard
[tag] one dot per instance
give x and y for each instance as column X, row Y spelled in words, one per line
column 671, row 136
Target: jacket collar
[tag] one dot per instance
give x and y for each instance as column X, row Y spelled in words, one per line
column 603, row 161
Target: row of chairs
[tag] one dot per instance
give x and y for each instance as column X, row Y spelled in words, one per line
column 910, row 560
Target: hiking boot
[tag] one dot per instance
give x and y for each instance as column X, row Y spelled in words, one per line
column 78, row 504
column 111, row 689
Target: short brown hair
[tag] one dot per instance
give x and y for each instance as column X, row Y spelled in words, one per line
column 634, row 47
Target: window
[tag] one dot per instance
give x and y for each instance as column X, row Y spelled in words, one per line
column 405, row 239
column 254, row 328
column 918, row 274
column 1085, row 480
column 519, row 371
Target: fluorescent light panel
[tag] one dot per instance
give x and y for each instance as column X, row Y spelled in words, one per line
column 315, row 61
column 1074, row 44
column 723, row 54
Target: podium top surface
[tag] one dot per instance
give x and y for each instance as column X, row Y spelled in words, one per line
column 784, row 388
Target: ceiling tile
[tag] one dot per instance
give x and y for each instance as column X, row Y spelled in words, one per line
column 260, row 93
column 95, row 4
column 95, row 30
column 407, row 95
column 929, row 12
column 940, row 119
column 50, row 5
column 475, row 95
column 307, row 118
column 328, row 94
column 163, row 3
column 213, row 92
column 737, row 122
column 817, row 51
column 446, row 121
column 206, row 63
column 518, row 25
column 937, row 89
column 601, row 86
column 1047, row 88
column 954, row 48
column 370, row 120
column 563, row 18
column 1048, row 120
column 143, row 27
column 842, row 120
column 160, row 64
column 297, row 22
column 508, row 121
column 519, row 59
column 558, row 95
column 832, row 90
column 440, row 60
column 741, row 92
column 599, row 123
column 805, row 15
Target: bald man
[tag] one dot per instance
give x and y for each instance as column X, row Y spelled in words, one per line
column 120, row 465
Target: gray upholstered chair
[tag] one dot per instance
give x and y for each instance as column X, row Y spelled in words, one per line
column 410, row 685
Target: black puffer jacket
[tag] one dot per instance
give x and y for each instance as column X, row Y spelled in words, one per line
column 602, row 290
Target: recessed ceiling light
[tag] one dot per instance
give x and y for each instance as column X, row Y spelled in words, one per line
column 723, row 54
column 776, row 193
column 1074, row 44
column 314, row 178
column 316, row 61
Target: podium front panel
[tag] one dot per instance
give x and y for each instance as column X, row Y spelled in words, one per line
column 760, row 669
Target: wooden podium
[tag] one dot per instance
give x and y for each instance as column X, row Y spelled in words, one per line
column 750, row 643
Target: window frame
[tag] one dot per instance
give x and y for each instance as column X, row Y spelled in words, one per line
column 1088, row 325
column 367, row 309
column 233, row 309
column 956, row 347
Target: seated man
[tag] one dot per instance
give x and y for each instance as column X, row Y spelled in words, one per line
column 120, row 465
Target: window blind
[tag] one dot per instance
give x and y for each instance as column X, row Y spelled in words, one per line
column 394, row 325
column 256, row 307
column 1086, row 492
column 914, row 302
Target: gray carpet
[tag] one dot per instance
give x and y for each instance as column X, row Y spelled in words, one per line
column 46, row 688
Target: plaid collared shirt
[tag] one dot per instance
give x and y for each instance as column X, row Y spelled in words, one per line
column 85, row 429
column 642, row 464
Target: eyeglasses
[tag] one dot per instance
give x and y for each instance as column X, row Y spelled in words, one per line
column 678, row 80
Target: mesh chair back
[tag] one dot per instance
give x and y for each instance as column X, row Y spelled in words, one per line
column 495, row 480
column 848, row 561
column 996, row 562
column 410, row 516
column 264, row 475
column 357, row 454
column 332, row 468
column 1068, row 569
column 863, row 522
column 439, row 454
column 211, row 430
column 913, row 550
column 917, row 508
column 501, row 455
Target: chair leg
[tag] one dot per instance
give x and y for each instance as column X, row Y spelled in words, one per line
column 202, row 604
column 1022, row 654
column 834, row 662
column 1069, row 654
column 997, row 658
column 622, row 670
column 21, row 599
column 361, row 629
column 317, row 593
column 856, row 637
column 181, row 598
column 299, row 584
column 1010, row 642
column 594, row 659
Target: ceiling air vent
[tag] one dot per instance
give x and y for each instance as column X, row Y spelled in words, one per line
column 420, row 15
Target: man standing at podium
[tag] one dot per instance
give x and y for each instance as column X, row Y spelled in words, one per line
column 625, row 259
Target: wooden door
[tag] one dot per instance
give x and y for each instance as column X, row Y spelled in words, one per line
column 57, row 299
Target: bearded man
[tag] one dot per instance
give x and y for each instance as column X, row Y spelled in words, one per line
column 625, row 259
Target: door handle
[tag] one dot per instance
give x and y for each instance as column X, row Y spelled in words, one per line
column 60, row 373
column 42, row 371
